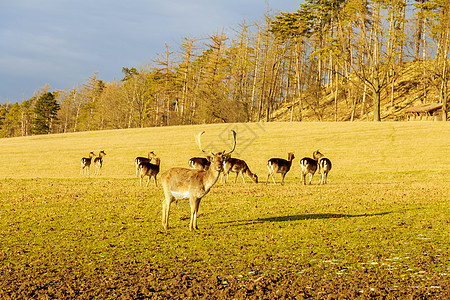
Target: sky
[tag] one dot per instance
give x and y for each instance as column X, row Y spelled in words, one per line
column 63, row 42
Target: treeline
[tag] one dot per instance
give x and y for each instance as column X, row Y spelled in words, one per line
column 330, row 60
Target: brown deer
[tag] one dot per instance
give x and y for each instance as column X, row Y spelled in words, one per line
column 308, row 166
column 279, row 165
column 238, row 166
column 98, row 162
column 150, row 170
column 182, row 183
column 140, row 159
column 86, row 163
column 200, row 163
column 324, row 165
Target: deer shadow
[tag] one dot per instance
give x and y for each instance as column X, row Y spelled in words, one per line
column 301, row 217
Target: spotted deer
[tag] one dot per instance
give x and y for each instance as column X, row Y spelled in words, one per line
column 279, row 165
column 238, row 166
column 86, row 163
column 183, row 183
column 149, row 169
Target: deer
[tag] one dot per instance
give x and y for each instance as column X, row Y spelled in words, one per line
column 238, row 166
column 140, row 159
column 308, row 166
column 150, row 170
column 279, row 165
column 200, row 163
column 98, row 162
column 324, row 165
column 86, row 163
column 183, row 183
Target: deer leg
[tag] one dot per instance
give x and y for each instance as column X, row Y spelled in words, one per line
column 235, row 179
column 282, row 178
column 166, row 209
column 310, row 178
column 224, row 176
column 156, row 183
column 195, row 203
column 148, row 180
column 243, row 179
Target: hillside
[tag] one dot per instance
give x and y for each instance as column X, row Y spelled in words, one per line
column 409, row 90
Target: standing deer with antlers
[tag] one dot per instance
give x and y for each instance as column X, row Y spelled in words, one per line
column 238, row 166
column 279, row 165
column 182, row 183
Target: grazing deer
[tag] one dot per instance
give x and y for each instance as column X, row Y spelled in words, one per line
column 238, row 166
column 182, row 183
column 140, row 159
column 324, row 166
column 86, row 163
column 98, row 162
column 200, row 163
column 279, row 165
column 149, row 169
column 308, row 166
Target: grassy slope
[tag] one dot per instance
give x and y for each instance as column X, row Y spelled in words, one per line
column 384, row 212
column 357, row 149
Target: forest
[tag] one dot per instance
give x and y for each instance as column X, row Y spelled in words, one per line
column 331, row 60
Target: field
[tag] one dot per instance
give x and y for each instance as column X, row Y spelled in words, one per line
column 379, row 228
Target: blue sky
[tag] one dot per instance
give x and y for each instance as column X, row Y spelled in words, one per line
column 63, row 42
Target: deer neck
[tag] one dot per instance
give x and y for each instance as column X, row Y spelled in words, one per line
column 211, row 177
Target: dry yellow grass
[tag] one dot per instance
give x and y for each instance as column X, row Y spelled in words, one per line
column 356, row 149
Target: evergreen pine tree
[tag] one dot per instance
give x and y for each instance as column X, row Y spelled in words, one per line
column 45, row 109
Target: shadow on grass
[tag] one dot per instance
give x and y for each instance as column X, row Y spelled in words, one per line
column 302, row 217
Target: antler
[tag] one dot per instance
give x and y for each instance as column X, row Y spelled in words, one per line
column 220, row 153
column 234, row 145
column 199, row 142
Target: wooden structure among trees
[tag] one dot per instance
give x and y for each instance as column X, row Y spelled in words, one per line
column 425, row 111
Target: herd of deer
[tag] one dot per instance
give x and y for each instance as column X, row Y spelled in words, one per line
column 196, row 182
